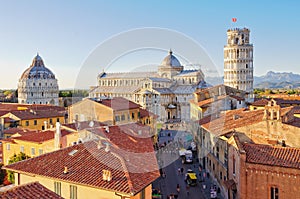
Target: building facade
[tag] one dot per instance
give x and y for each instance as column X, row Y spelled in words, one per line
column 38, row 84
column 238, row 60
column 165, row 92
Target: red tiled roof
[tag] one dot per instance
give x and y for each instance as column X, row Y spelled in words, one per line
column 26, row 115
column 132, row 137
column 146, row 113
column 17, row 130
column 224, row 122
column 131, row 172
column 119, row 103
column 229, row 120
column 15, row 106
column 260, row 102
column 83, row 125
column 29, row 191
column 272, row 155
column 41, row 136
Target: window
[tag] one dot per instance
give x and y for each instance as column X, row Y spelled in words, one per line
column 8, row 147
column 221, row 175
column 57, row 188
column 233, row 165
column 132, row 115
column 117, row 118
column 26, row 123
column 22, row 149
column 143, row 196
column 50, row 120
column 73, row 192
column 35, row 122
column 274, row 193
column 32, row 151
column 40, row 151
column 122, row 117
column 57, row 119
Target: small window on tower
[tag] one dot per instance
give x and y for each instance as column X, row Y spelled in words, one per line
column 246, row 65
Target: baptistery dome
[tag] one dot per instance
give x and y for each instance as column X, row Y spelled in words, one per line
column 38, row 70
column 171, row 60
column 38, row 84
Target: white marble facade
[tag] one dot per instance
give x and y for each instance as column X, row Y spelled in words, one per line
column 38, row 84
column 165, row 92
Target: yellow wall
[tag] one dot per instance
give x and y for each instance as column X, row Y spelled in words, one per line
column 40, row 122
column 83, row 192
column 31, row 124
column 87, row 109
column 46, row 147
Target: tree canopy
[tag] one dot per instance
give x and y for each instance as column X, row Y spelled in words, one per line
column 13, row 159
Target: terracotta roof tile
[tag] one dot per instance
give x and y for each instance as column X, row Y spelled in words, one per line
column 131, row 172
column 15, row 106
column 17, row 130
column 146, row 113
column 25, row 115
column 83, row 125
column 119, row 103
column 272, row 155
column 260, row 102
column 229, row 120
column 41, row 136
column 29, row 191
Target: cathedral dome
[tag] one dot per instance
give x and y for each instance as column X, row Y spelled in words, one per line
column 38, row 70
column 171, row 60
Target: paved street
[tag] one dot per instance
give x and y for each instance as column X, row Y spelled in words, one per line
column 170, row 161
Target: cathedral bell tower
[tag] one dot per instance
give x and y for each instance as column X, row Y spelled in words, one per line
column 238, row 60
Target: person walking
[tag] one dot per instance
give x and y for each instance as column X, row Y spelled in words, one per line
column 187, row 189
column 178, row 188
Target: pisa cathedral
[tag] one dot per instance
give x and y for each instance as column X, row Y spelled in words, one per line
column 165, row 92
column 38, row 84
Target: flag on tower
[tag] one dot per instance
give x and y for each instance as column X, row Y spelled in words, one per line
column 234, row 20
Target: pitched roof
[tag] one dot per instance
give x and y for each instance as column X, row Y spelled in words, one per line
column 260, row 102
column 29, row 191
column 133, row 137
column 131, row 172
column 224, row 122
column 27, row 115
column 41, row 136
column 83, row 125
column 146, row 113
column 16, row 106
column 272, row 155
column 119, row 103
column 115, row 89
column 17, row 130
column 129, row 75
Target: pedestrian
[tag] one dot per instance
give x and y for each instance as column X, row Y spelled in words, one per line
column 187, row 189
column 179, row 171
column 182, row 169
column 178, row 188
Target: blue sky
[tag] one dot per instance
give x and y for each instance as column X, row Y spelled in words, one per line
column 66, row 32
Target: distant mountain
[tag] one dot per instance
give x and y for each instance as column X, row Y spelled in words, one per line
column 277, row 80
column 270, row 80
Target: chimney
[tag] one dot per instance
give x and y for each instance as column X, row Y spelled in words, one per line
column 57, row 136
column 140, row 132
column 106, row 175
column 45, row 125
column 99, row 145
column 107, row 149
column 283, row 143
column 106, row 129
column 66, row 170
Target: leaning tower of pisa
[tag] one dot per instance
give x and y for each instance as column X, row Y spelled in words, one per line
column 238, row 60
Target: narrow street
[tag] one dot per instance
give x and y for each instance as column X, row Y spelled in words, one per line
column 170, row 161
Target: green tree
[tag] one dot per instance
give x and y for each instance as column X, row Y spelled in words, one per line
column 13, row 159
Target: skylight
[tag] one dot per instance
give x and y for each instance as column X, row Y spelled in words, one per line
column 73, row 152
